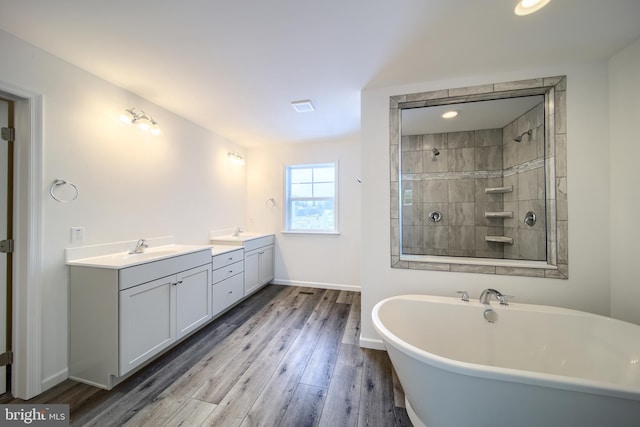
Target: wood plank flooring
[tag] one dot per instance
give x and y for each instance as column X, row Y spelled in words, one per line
column 286, row 356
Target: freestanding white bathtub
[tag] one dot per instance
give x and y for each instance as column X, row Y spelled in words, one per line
column 535, row 366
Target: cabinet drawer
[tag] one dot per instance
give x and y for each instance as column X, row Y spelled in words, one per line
column 227, row 271
column 250, row 245
column 227, row 258
column 227, row 292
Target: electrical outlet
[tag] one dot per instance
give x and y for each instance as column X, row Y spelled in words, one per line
column 77, row 234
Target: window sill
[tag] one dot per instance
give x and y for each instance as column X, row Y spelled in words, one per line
column 312, row 233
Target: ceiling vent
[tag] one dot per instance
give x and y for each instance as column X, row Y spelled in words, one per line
column 303, row 106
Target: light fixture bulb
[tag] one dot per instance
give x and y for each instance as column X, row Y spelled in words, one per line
column 143, row 125
column 155, row 130
column 450, row 114
column 125, row 119
column 526, row 7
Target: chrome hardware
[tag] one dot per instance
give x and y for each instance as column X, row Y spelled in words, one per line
column 177, row 283
column 237, row 232
column 504, row 299
column 6, row 246
column 464, row 295
column 435, row 216
column 530, row 218
column 139, row 247
column 490, row 315
column 485, row 296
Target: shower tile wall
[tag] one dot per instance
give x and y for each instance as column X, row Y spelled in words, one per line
column 524, row 169
column 453, row 183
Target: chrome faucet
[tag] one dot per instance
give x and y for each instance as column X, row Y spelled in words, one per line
column 139, row 247
column 238, row 231
column 485, row 296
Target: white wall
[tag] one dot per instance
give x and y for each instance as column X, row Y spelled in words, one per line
column 588, row 193
column 624, row 98
column 308, row 260
column 132, row 185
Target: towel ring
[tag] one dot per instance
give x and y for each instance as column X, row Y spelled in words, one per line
column 270, row 202
column 60, row 182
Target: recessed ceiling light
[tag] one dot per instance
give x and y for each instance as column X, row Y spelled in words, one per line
column 525, row 7
column 450, row 114
column 303, row 106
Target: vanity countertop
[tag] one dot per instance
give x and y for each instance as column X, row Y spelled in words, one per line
column 237, row 240
column 125, row 259
column 223, row 249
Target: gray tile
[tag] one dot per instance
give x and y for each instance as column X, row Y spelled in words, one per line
column 532, row 245
column 393, row 163
column 460, row 139
column 412, row 215
column 394, row 127
column 489, row 254
column 411, row 143
column 394, row 202
column 482, row 245
column 411, row 162
column 512, row 251
column 395, row 237
column 423, row 96
column 488, row 137
column 434, row 140
column 471, row 90
column 513, row 271
column 461, row 159
column 561, row 155
column 442, row 207
column 460, row 253
column 521, row 84
column 435, row 191
column 488, row 158
column 563, row 250
column 462, row 238
column 481, row 208
column 529, row 185
column 434, row 266
column 462, row 190
column 527, row 150
column 510, row 207
column 538, row 208
column 482, row 183
column 468, row 268
column 438, row 163
column 462, row 214
column 560, row 112
column 436, row 237
column 412, row 236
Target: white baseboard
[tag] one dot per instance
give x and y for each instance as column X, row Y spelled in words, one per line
column 55, row 379
column 372, row 343
column 321, row 285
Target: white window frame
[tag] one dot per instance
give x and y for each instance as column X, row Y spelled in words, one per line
column 288, row 200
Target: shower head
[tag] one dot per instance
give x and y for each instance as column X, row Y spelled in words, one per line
column 519, row 137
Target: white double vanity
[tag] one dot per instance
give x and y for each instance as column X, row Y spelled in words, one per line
column 127, row 308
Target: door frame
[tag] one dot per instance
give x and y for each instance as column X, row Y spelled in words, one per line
column 26, row 372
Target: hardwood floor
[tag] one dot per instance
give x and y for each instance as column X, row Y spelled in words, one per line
column 286, row 356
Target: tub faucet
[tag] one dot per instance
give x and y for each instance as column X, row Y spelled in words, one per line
column 485, row 296
column 139, row 247
column 238, row 231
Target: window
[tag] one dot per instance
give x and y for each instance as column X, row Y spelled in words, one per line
column 310, row 192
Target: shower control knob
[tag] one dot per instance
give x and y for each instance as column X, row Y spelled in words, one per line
column 530, row 218
column 435, row 216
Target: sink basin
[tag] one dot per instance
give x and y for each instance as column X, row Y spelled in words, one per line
column 149, row 254
column 243, row 237
column 125, row 259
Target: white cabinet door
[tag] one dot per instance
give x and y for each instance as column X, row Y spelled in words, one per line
column 146, row 321
column 251, row 271
column 266, row 264
column 193, row 299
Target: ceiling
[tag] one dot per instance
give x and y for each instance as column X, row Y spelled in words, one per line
column 493, row 114
column 234, row 66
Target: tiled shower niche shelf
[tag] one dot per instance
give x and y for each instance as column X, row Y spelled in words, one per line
column 498, row 214
column 498, row 190
column 499, row 239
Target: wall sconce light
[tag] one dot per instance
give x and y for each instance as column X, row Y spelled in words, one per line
column 235, row 158
column 142, row 119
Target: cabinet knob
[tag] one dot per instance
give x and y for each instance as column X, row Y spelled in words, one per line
column 177, row 283
column 230, row 292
